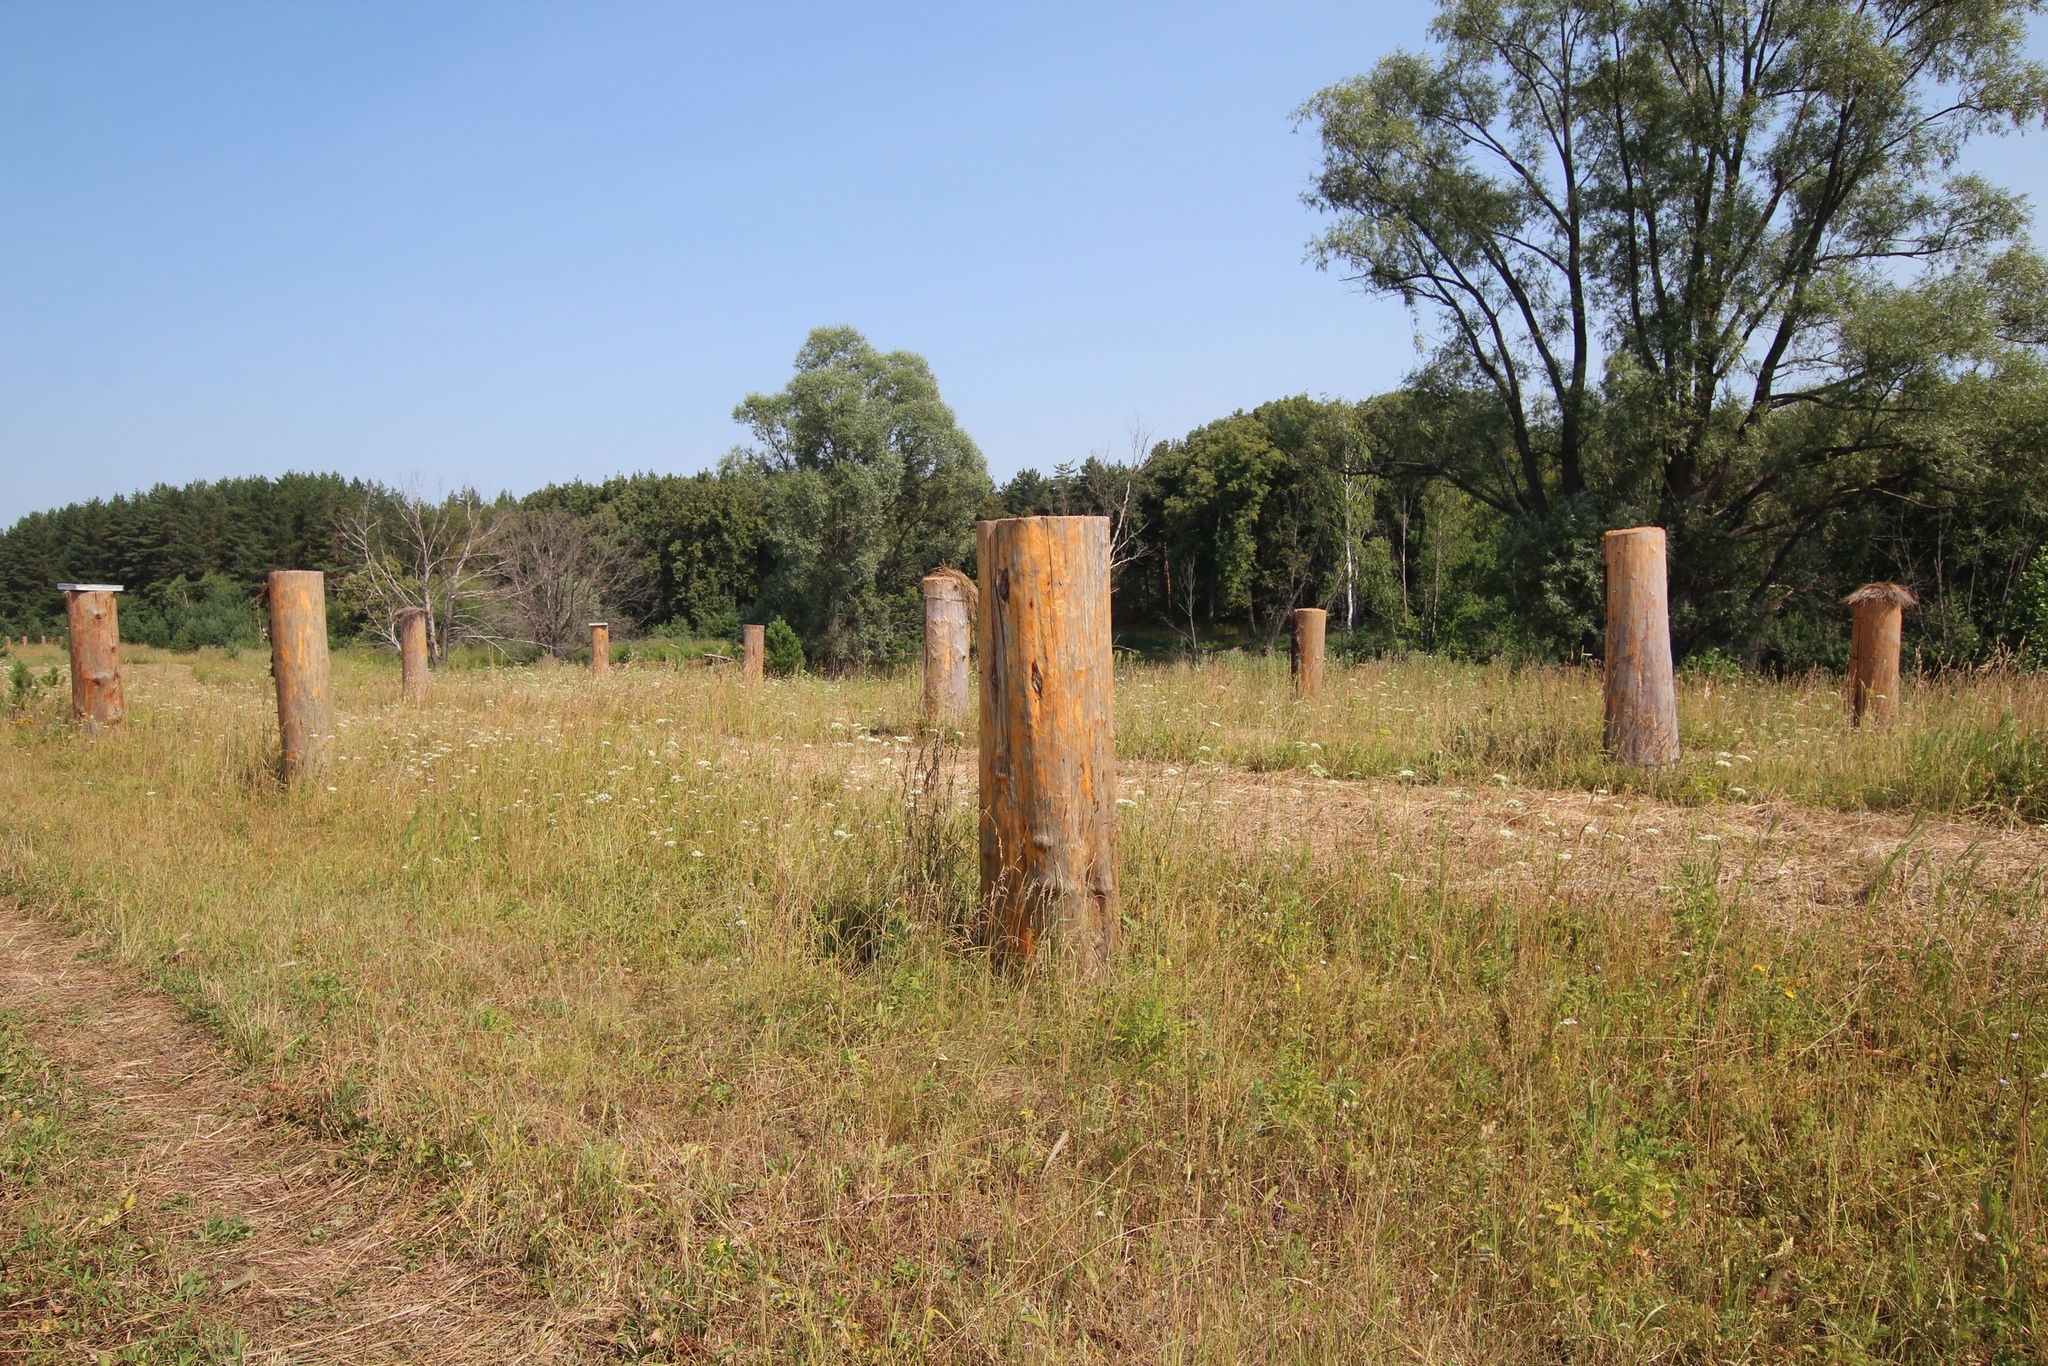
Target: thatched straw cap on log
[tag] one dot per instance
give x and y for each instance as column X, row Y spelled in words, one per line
column 1895, row 593
column 968, row 588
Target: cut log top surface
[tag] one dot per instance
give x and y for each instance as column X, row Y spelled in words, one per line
column 88, row 588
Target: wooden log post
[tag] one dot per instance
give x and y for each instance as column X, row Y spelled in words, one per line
column 1877, row 627
column 1310, row 625
column 946, row 611
column 298, row 664
column 96, row 697
column 600, row 649
column 1641, row 694
column 1048, row 747
column 412, row 653
column 753, row 651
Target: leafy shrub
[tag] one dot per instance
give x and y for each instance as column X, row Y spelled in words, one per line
column 722, row 624
column 782, row 652
column 189, row 615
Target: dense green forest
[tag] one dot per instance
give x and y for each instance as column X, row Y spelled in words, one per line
column 1710, row 267
column 1222, row 532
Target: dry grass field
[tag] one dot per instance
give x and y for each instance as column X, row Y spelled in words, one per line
column 637, row 1021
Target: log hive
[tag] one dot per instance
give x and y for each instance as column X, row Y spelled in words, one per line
column 298, row 664
column 412, row 653
column 1641, row 693
column 1310, row 626
column 96, row 698
column 600, row 649
column 948, row 597
column 1048, row 751
column 753, row 649
column 1877, row 627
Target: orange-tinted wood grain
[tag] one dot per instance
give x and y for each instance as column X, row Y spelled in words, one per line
column 1877, row 630
column 298, row 665
column 1310, row 626
column 96, row 696
column 1641, row 693
column 412, row 653
column 753, row 651
column 600, row 649
column 1048, row 743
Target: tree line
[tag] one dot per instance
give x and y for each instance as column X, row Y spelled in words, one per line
column 1710, row 265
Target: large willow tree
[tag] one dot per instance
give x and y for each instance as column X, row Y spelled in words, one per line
column 871, row 484
column 1712, row 263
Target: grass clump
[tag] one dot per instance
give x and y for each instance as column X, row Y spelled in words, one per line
column 1967, row 743
column 76, row 1281
column 666, row 985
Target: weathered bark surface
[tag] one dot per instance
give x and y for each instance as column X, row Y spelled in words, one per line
column 1877, row 628
column 298, row 663
column 600, row 649
column 412, row 653
column 1310, row 626
column 945, row 651
column 96, row 697
column 753, row 650
column 1048, row 744
column 1641, row 693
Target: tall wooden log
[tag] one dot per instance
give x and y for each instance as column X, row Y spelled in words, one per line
column 600, row 649
column 1641, row 693
column 1877, row 628
column 1310, row 626
column 412, row 653
column 753, row 651
column 945, row 649
column 298, row 664
column 1048, row 747
column 96, row 697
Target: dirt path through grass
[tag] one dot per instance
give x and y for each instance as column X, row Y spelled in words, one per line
column 1796, row 860
column 302, row 1250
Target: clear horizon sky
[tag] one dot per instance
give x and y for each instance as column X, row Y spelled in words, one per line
column 510, row 244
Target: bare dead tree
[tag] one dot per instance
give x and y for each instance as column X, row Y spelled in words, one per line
column 1190, row 639
column 412, row 553
column 558, row 572
column 1111, row 490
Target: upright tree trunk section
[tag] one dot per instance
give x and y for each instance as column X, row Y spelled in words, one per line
column 298, row 662
column 600, row 649
column 1048, row 752
column 1878, row 622
column 753, row 650
column 96, row 697
column 1310, row 626
column 945, row 651
column 412, row 653
column 1641, row 694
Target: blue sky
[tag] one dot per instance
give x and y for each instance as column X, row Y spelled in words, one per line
column 510, row 244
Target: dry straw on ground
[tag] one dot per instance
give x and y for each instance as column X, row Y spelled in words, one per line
column 1488, row 1053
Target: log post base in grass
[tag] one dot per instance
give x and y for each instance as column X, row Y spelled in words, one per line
column 1877, row 628
column 948, row 604
column 412, row 653
column 1641, row 694
column 753, row 649
column 1048, row 749
column 600, row 649
column 1310, row 625
column 96, row 698
column 298, row 664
